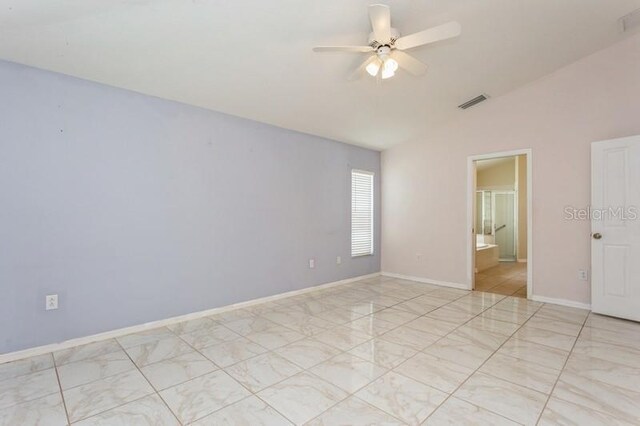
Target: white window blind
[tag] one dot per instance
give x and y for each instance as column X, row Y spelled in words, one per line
column 361, row 213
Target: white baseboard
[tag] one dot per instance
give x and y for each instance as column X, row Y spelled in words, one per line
column 562, row 302
column 40, row 350
column 426, row 280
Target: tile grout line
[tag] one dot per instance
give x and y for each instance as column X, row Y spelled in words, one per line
column 64, row 403
column 484, row 362
column 562, row 370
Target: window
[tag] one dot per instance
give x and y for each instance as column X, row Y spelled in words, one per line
column 361, row 213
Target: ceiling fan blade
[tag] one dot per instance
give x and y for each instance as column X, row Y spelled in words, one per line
column 343, row 49
column 441, row 32
column 359, row 72
column 380, row 17
column 409, row 63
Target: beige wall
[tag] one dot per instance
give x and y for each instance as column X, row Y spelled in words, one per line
column 521, row 183
column 425, row 182
column 499, row 176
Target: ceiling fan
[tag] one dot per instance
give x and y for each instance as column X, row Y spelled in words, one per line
column 387, row 46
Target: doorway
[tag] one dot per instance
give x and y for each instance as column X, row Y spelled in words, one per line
column 499, row 211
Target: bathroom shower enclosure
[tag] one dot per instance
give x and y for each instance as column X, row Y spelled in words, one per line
column 496, row 221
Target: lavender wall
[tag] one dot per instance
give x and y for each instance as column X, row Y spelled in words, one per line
column 134, row 209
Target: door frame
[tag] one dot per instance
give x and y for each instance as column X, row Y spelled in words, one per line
column 471, row 213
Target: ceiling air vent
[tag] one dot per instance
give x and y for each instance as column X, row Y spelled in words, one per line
column 632, row 20
column 474, row 101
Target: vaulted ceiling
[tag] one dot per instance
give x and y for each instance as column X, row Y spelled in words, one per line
column 253, row 58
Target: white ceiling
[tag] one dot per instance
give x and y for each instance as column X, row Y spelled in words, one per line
column 253, row 58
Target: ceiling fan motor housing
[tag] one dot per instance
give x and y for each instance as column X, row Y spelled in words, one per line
column 395, row 34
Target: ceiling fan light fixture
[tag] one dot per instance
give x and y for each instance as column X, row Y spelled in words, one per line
column 391, row 64
column 373, row 68
column 387, row 73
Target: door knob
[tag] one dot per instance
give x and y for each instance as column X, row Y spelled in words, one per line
column 597, row 236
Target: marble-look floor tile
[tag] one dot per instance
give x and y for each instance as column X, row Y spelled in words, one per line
column 441, row 373
column 611, row 400
column 486, row 298
column 24, row 366
column 90, row 350
column 342, row 337
column 143, row 337
column 47, row 410
column 604, row 371
column 95, row 397
column 275, row 337
column 619, row 354
column 307, row 352
column 210, row 336
column 517, row 305
column 470, row 306
column 419, row 307
column 559, row 412
column 403, row 398
column 556, row 326
column 190, row 326
column 233, row 351
column 622, row 337
column 348, row 372
column 250, row 411
column 561, row 313
column 461, row 352
column 262, row 371
column 395, row 316
column 493, row 325
column 371, row 326
column 451, row 315
column 524, row 373
column 612, row 324
column 88, row 370
column 506, row 315
column 481, row 338
column 302, row 397
column 158, row 350
column 545, row 337
column 354, row 412
column 250, row 325
column 172, row 371
column 458, row 412
column 534, row 353
column 364, row 308
column 383, row 353
column 449, row 293
column 146, row 411
column 338, row 316
column 514, row 402
column 200, row 397
column 228, row 316
column 27, row 387
column 433, row 326
column 410, row 337
column 382, row 300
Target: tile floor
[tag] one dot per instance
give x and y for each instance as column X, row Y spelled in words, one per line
column 508, row 278
column 380, row 351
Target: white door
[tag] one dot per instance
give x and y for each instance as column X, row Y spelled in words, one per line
column 615, row 227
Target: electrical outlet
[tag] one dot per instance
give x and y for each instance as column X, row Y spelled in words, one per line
column 51, row 302
column 583, row 275
column 312, row 263
column 338, row 260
